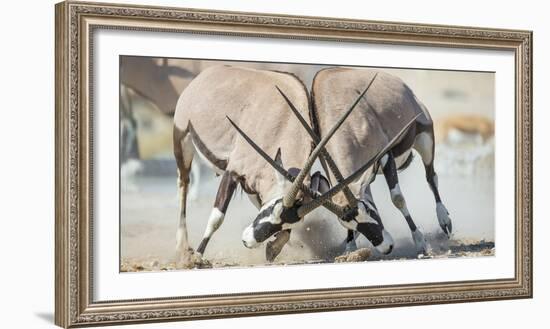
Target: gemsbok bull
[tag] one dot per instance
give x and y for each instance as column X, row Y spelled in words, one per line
column 389, row 122
column 381, row 115
column 250, row 99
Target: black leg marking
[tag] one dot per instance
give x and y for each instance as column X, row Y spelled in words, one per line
column 350, row 236
column 425, row 146
column 203, row 244
column 431, row 178
column 225, row 192
column 390, row 173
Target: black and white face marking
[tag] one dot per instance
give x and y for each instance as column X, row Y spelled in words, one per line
column 273, row 218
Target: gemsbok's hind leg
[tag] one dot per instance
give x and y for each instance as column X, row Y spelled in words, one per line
column 425, row 145
column 193, row 193
column 225, row 192
column 389, row 169
column 183, row 152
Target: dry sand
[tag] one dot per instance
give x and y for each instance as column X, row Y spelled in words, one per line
column 149, row 213
column 149, row 220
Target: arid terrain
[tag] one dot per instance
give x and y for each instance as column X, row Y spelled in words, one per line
column 464, row 162
column 150, row 212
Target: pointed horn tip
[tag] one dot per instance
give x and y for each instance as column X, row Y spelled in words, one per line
column 281, row 92
column 231, row 121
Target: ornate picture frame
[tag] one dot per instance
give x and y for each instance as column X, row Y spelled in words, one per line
column 76, row 22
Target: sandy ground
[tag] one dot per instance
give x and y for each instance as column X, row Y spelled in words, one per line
column 149, row 213
column 149, row 219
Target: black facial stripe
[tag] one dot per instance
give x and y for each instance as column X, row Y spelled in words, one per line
column 373, row 213
column 369, row 202
column 290, row 215
column 266, row 212
column 265, row 230
column 372, row 232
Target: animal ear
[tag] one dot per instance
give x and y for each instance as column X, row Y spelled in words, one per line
column 319, row 183
column 278, row 158
column 281, row 181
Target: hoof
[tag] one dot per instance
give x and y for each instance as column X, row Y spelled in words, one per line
column 444, row 219
column 190, row 259
column 419, row 242
column 185, row 257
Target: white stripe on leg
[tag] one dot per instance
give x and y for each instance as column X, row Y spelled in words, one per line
column 214, row 222
column 399, row 201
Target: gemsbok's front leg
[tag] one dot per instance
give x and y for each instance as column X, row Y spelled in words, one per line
column 425, row 145
column 225, row 192
column 390, row 173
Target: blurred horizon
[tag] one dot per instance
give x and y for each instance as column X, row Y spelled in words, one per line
column 461, row 103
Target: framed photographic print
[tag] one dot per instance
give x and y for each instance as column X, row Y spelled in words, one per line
column 218, row 164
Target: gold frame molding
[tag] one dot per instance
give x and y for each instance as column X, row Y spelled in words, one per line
column 75, row 23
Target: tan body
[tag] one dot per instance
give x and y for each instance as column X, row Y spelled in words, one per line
column 381, row 114
column 248, row 97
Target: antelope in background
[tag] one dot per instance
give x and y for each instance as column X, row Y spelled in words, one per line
column 152, row 81
column 159, row 83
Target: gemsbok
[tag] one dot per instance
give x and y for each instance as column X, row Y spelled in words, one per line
column 389, row 105
column 249, row 98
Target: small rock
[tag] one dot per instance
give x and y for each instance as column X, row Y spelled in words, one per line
column 359, row 255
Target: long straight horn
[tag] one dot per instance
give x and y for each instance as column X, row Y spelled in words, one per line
column 334, row 208
column 352, row 201
column 290, row 197
column 312, row 205
column 264, row 155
